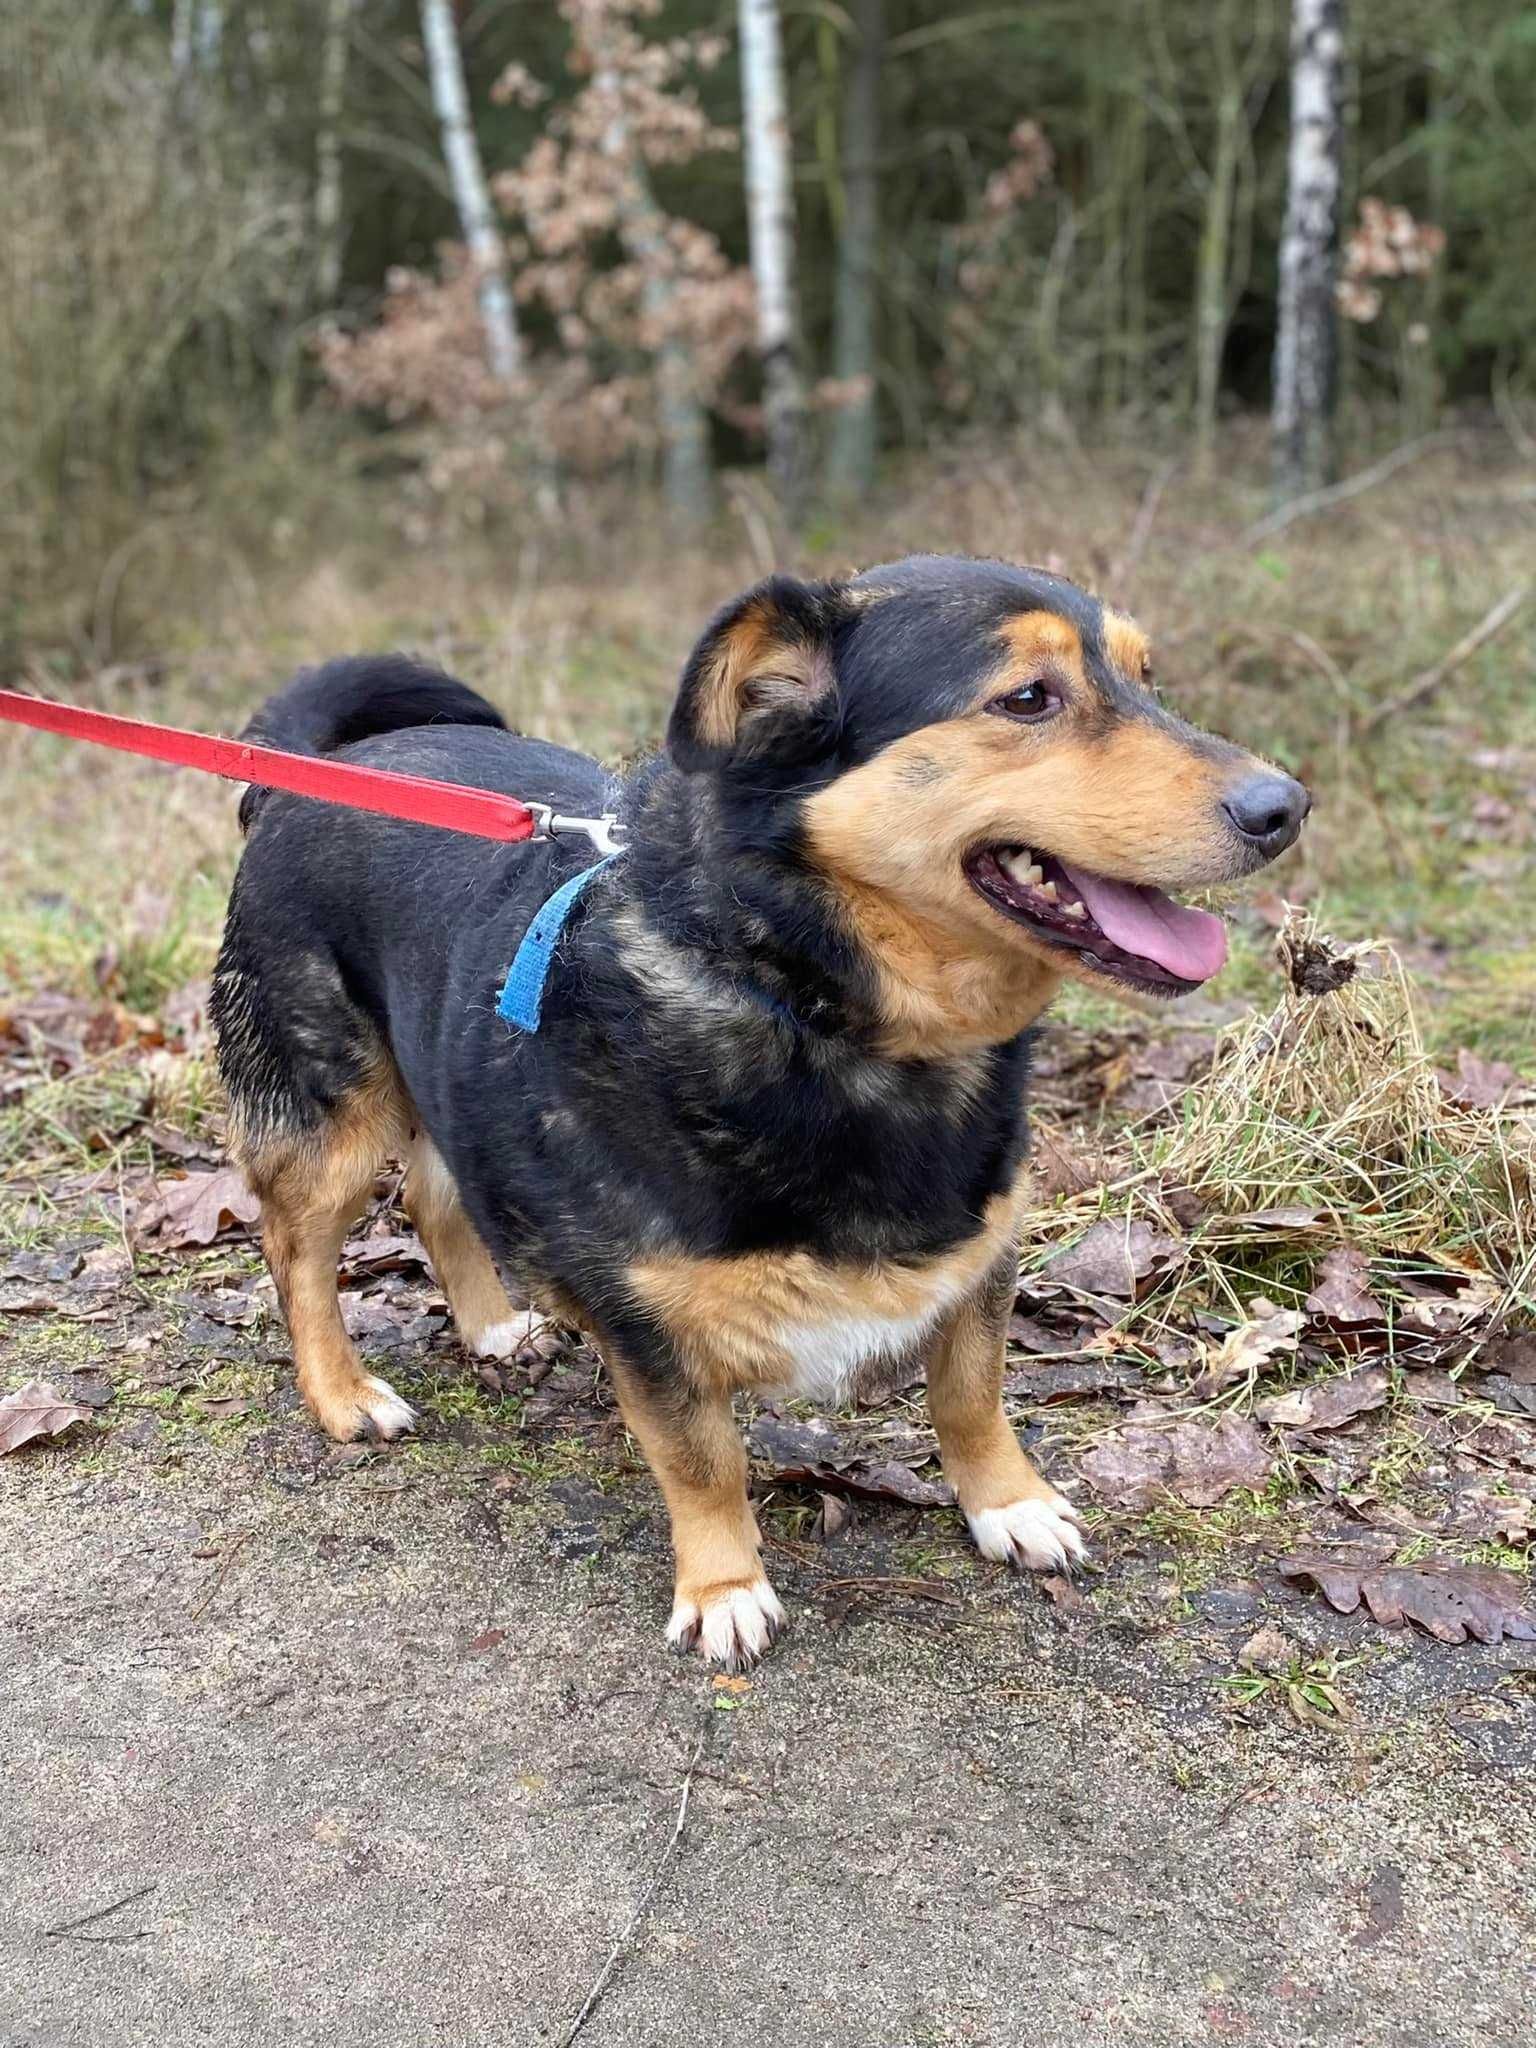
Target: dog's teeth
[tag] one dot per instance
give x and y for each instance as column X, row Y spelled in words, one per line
column 1024, row 868
column 1073, row 910
column 1047, row 889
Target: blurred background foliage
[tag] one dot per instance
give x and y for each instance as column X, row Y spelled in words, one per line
column 1062, row 186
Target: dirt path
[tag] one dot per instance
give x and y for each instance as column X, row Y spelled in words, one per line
column 389, row 1758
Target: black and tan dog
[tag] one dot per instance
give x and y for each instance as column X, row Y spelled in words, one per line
column 771, row 1127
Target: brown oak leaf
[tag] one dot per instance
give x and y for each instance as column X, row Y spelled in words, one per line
column 1244, row 1351
column 1343, row 1293
column 1450, row 1601
column 195, row 1208
column 1111, row 1257
column 36, row 1410
column 1328, row 1404
column 1196, row 1461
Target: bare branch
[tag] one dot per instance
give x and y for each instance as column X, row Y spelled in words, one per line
column 1425, row 685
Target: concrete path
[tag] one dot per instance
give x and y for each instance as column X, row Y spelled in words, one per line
column 388, row 1760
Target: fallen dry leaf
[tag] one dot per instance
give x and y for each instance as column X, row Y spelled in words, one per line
column 1245, row 1351
column 834, row 1518
column 1197, row 1462
column 1063, row 1593
column 1111, row 1257
column 1450, row 1601
column 1343, row 1293
column 815, row 1454
column 36, row 1410
column 1477, row 1083
column 1267, row 1651
column 194, row 1209
column 1060, row 1165
column 1328, row 1404
column 1068, row 1379
column 1514, row 1353
column 1162, row 1071
column 220, row 1407
column 1291, row 1220
column 392, row 1252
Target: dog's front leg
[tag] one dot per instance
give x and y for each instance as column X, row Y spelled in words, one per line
column 723, row 1605
column 1014, row 1514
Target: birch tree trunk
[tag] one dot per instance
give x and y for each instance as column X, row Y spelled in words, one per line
column 771, row 226
column 851, row 451
column 1212, row 311
column 333, row 91
column 1306, row 339
column 687, row 470
column 461, row 152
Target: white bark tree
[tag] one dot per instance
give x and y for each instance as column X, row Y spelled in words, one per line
column 466, row 172
column 1306, row 339
column 851, row 448
column 329, row 230
column 771, row 225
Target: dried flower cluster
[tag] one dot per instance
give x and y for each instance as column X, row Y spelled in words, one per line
column 985, row 261
column 616, row 278
column 1387, row 242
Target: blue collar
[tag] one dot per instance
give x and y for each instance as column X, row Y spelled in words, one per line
column 522, row 993
column 520, row 1002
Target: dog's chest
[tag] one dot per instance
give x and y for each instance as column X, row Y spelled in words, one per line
column 794, row 1323
column 824, row 1355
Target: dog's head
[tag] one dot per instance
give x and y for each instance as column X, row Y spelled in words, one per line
column 968, row 756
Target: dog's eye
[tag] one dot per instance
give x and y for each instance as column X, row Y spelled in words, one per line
column 1031, row 701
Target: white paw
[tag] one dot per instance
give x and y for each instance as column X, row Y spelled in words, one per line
column 502, row 1340
column 1033, row 1535
column 733, row 1629
column 383, row 1412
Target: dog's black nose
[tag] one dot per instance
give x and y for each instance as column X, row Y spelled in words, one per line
column 1267, row 811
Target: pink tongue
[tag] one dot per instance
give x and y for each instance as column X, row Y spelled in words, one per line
column 1189, row 943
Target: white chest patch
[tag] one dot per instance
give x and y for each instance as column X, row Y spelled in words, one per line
column 827, row 1355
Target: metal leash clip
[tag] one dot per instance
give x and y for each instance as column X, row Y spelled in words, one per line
column 551, row 825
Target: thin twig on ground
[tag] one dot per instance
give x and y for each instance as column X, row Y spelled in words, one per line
column 1425, row 685
column 919, row 1589
column 1340, row 493
column 101, row 1913
column 615, row 1954
column 221, row 1574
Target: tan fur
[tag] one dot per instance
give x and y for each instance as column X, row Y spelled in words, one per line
column 1130, row 800
column 1040, row 640
column 753, row 669
column 312, row 1187
column 982, row 1459
column 1127, row 646
column 733, row 1319
column 691, row 1443
column 463, row 1267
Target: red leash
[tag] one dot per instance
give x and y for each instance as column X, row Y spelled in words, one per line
column 481, row 812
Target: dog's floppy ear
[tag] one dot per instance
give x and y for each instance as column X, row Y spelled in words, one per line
column 763, row 680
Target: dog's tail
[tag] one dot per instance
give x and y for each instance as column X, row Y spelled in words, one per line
column 358, row 698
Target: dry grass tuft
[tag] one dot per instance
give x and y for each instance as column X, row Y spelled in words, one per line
column 1321, row 1125
column 1329, row 1102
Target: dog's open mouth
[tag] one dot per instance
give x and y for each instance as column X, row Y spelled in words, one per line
column 1126, row 930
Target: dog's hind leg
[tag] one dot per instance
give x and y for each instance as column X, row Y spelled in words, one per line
column 487, row 1321
column 1015, row 1515
column 312, row 1183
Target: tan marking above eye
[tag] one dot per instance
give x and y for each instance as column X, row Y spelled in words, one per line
column 1043, row 637
column 1041, row 647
